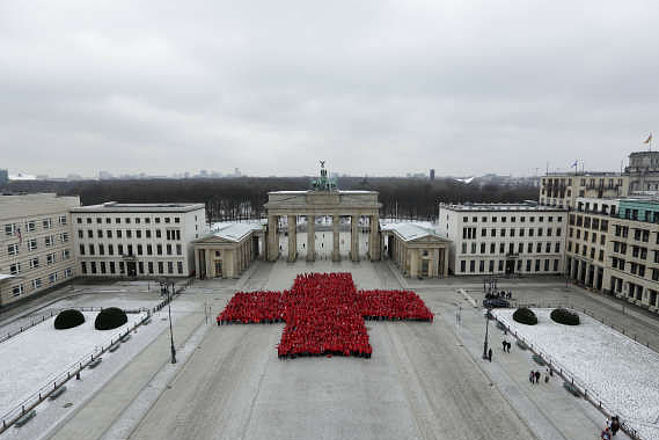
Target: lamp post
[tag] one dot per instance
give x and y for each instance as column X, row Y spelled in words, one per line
column 487, row 328
column 164, row 287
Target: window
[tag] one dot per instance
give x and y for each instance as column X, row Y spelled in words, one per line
column 150, row 264
column 79, row 220
column 117, row 220
column 101, row 249
column 167, row 219
column 137, row 220
column 34, row 262
column 66, row 254
column 81, row 234
column 17, row 290
column 138, row 233
column 36, row 283
column 99, row 233
column 108, row 220
column 463, row 265
column 170, row 267
column 557, row 247
column 159, row 248
column 99, row 220
column 112, row 267
column 108, row 233
column 179, row 265
column 15, row 268
column 83, row 268
column 50, row 259
column 528, row 265
column 178, row 219
column 12, row 249
column 149, row 249
column 110, row 249
column 129, row 233
column 119, row 233
column 139, row 249
column 148, row 233
column 52, row 278
column 64, row 237
column 103, row 270
column 546, row 265
column 89, row 220
column 161, row 267
column 179, row 250
column 68, row 272
column 147, row 220
column 90, row 233
column 472, row 266
column 127, row 220
column 120, row 249
column 10, row 229
column 82, row 249
column 537, row 265
column 31, row 226
column 158, row 221
column 93, row 267
column 49, row 240
column 493, row 232
column 158, row 234
column 47, row 223
column 91, row 249
column 62, row 220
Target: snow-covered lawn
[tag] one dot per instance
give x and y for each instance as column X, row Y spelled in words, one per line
column 35, row 357
column 621, row 372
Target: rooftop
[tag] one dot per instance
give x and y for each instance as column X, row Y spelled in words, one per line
column 140, row 207
column 234, row 231
column 506, row 207
column 409, row 231
column 35, row 204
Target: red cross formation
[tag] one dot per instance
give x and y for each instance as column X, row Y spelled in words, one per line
column 324, row 314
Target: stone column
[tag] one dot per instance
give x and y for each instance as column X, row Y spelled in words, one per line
column 446, row 257
column 354, row 238
column 292, row 238
column 580, row 269
column 311, row 238
column 272, row 242
column 210, row 270
column 336, row 254
column 196, row 263
column 374, row 238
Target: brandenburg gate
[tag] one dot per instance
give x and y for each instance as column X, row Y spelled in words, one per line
column 322, row 200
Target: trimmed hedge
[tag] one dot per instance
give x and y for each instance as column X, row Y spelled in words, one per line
column 68, row 319
column 564, row 316
column 110, row 318
column 526, row 316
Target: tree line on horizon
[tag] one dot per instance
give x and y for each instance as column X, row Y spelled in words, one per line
column 240, row 198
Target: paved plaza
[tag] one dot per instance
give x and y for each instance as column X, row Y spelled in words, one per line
column 424, row 381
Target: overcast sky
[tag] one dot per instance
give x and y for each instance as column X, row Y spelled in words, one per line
column 373, row 87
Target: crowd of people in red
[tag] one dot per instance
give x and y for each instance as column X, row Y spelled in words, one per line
column 324, row 314
column 393, row 305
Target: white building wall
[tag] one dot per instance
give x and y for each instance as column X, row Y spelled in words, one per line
column 480, row 247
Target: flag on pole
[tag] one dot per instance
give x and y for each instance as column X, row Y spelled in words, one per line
column 649, row 139
column 574, row 165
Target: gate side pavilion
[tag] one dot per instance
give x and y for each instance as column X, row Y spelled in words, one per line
column 335, row 203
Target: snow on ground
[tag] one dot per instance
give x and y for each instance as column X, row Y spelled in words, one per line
column 620, row 371
column 36, row 356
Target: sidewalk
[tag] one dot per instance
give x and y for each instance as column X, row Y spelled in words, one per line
column 551, row 412
column 95, row 417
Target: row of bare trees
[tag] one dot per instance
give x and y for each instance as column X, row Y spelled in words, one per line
column 243, row 198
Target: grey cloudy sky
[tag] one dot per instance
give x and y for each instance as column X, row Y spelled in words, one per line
column 374, row 87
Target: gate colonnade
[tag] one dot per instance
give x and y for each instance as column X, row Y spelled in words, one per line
column 313, row 204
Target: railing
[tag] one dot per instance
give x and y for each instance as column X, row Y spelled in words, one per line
column 73, row 370
column 557, row 367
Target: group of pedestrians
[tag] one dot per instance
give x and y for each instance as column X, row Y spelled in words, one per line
column 612, row 428
column 536, row 375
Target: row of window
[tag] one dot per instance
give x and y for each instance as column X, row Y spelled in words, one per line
column 35, row 262
column 635, row 291
column 538, row 265
column 130, row 269
column 648, row 216
column 586, row 236
column 636, row 251
column 470, row 233
column 513, row 219
column 512, row 249
column 36, row 283
column 639, row 234
column 32, row 244
column 583, row 251
column 91, row 249
column 589, row 222
column 634, row 268
column 128, row 220
column 14, row 229
column 170, row 234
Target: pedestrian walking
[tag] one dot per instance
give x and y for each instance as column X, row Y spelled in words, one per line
column 532, row 376
column 489, row 355
column 504, row 344
column 509, row 346
column 537, row 377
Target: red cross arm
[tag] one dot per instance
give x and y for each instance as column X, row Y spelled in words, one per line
column 253, row 307
column 393, row 305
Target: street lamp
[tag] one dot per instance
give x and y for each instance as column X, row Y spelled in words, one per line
column 164, row 288
column 487, row 328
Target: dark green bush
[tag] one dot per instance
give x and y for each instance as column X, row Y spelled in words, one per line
column 110, row 318
column 526, row 316
column 68, row 319
column 564, row 316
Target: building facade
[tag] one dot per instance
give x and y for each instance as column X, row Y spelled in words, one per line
column 643, row 170
column 506, row 239
column 417, row 251
column 36, row 249
column 137, row 240
column 587, row 240
column 563, row 189
column 633, row 249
